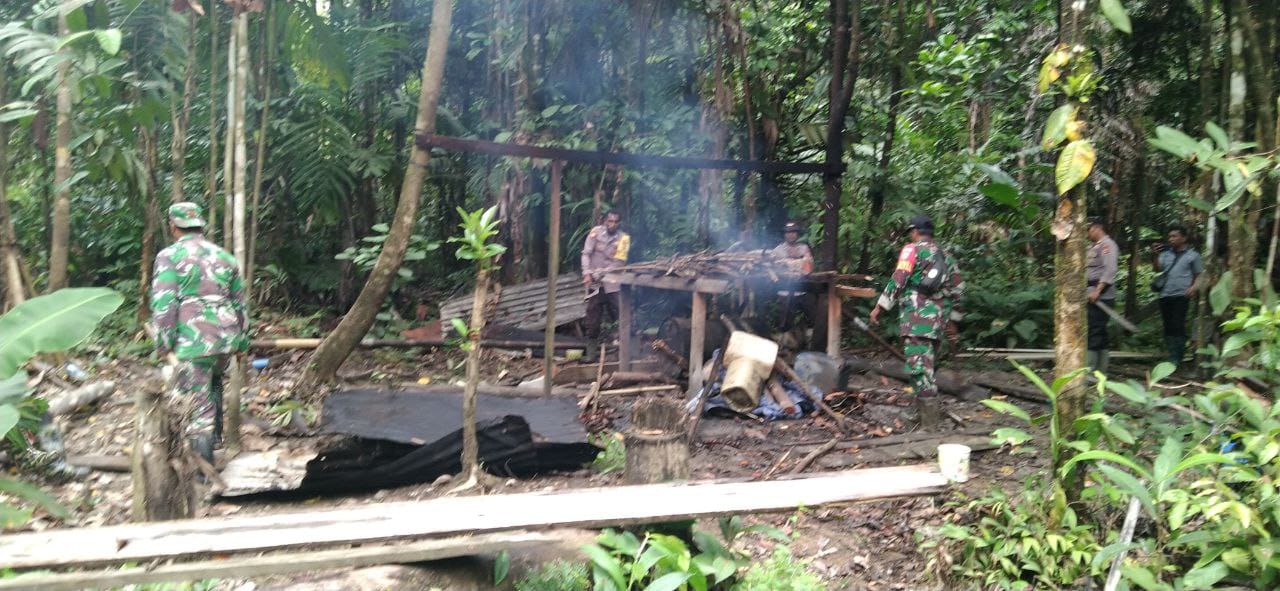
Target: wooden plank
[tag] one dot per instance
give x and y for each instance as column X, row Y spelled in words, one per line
column 281, row 563
column 600, row 507
column 697, row 334
column 856, row 292
column 833, row 321
column 428, row 141
column 553, row 267
column 703, row 285
column 624, row 328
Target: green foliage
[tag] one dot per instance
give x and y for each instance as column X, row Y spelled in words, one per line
column 557, row 575
column 1203, row 466
column 614, row 456
column 657, row 562
column 53, row 322
column 1242, row 171
column 780, row 572
column 1004, row 544
column 364, row 257
column 478, row 228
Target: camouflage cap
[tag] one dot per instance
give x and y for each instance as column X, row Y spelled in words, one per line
column 186, row 215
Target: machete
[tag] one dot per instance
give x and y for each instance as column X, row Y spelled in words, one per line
column 1121, row 320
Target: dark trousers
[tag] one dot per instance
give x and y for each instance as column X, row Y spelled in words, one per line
column 1173, row 311
column 1099, row 340
column 597, row 306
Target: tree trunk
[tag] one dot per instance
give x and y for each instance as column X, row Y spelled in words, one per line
column 1069, row 230
column 264, row 78
column 470, row 446
column 1275, row 225
column 846, row 57
column 10, row 257
column 229, row 141
column 151, row 223
column 60, row 239
column 1241, row 236
column 210, row 179
column 338, row 345
column 896, row 39
column 1135, row 217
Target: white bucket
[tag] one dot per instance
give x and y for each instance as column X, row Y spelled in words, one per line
column 953, row 462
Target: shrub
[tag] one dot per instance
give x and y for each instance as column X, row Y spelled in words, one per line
column 558, row 575
column 780, row 572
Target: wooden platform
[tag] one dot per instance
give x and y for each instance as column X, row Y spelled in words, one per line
column 525, row 305
column 443, row 517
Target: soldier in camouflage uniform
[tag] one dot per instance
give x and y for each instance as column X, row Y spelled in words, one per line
column 198, row 313
column 923, row 319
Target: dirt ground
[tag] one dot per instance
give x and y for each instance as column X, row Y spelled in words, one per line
column 868, row 546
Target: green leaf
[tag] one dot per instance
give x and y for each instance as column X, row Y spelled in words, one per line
column 1055, row 129
column 1007, row 408
column 1130, row 485
column 1205, row 577
column 53, row 322
column 1141, row 577
column 15, row 114
column 1074, row 165
column 1010, row 436
column 1106, row 554
column 1114, row 11
column 1003, row 194
column 1107, row 456
column 501, row 567
column 997, row 176
column 1220, row 295
column 1218, row 135
column 13, row 388
column 1175, row 142
column 9, row 417
column 1161, row 371
column 604, row 561
column 669, row 582
column 1201, row 459
column 1237, row 558
column 109, row 40
column 35, row 495
column 72, row 38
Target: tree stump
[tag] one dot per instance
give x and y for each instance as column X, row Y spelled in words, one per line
column 161, row 490
column 656, row 447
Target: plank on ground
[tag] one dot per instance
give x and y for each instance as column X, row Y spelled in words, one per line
column 279, row 564
column 599, row 507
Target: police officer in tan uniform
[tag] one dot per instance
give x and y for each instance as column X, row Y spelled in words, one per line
column 606, row 248
column 1103, row 261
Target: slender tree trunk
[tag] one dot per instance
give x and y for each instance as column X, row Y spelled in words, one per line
column 1242, row 237
column 470, row 444
column 264, row 78
column 1135, row 217
column 897, row 36
column 237, row 370
column 150, row 227
column 1275, row 225
column 181, row 116
column 210, row 179
column 60, row 240
column 846, row 58
column 229, row 141
column 338, row 345
column 1069, row 230
column 1209, row 107
column 10, row 257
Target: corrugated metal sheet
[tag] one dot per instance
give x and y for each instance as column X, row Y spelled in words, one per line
column 525, row 305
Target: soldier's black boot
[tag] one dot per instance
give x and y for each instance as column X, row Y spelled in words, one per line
column 930, row 414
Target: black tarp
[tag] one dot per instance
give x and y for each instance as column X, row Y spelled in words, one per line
column 506, row 449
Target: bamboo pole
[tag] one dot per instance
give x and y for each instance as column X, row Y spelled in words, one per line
column 553, row 269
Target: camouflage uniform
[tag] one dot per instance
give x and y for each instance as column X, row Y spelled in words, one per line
column 602, row 251
column 198, row 311
column 921, row 319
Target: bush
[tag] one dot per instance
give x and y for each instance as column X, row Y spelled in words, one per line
column 780, row 572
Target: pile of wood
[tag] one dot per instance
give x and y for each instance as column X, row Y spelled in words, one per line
column 757, row 263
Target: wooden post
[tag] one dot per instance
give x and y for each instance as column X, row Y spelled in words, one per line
column 624, row 328
column 697, row 334
column 234, row 382
column 833, row 320
column 553, row 268
column 655, row 441
column 159, row 492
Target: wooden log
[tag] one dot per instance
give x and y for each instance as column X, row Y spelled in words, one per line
column 599, row 507
column 948, row 382
column 697, row 333
column 818, row 401
column 159, row 491
column 279, row 563
column 919, row 450
column 83, row 396
column 833, row 320
column 624, row 328
column 621, row 378
column 403, row 343
column 779, row 395
column 102, row 463
column 716, row 364
column 638, row 390
column 899, row 439
column 656, row 447
column 238, row 370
